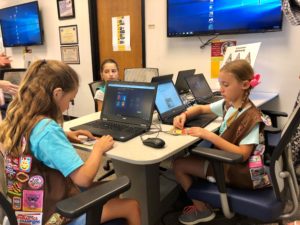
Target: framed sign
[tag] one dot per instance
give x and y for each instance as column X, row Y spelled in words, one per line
column 70, row 54
column 65, row 9
column 68, row 35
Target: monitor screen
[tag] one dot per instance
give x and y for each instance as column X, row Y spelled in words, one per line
column 20, row 25
column 208, row 17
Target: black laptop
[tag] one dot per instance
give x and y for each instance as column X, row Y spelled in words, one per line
column 181, row 84
column 126, row 112
column 201, row 90
column 169, row 104
column 161, row 78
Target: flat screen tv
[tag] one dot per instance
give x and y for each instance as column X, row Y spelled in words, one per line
column 20, row 25
column 212, row 17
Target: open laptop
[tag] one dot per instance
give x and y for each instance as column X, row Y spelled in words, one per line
column 169, row 104
column 126, row 112
column 162, row 78
column 181, row 84
column 201, row 90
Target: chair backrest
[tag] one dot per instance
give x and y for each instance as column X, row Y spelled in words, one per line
column 282, row 152
column 140, row 74
column 93, row 87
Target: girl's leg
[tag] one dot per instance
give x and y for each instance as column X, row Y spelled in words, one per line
column 122, row 208
column 185, row 168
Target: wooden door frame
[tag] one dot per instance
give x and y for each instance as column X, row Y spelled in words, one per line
column 92, row 5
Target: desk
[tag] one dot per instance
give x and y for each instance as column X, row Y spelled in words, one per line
column 141, row 163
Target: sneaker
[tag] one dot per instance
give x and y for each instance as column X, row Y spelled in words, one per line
column 191, row 215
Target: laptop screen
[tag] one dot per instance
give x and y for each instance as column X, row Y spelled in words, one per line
column 130, row 102
column 167, row 97
column 199, row 86
column 181, row 84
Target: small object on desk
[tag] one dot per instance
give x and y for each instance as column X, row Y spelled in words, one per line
column 86, row 141
column 176, row 131
column 154, row 142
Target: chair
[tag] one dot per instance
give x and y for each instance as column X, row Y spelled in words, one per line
column 90, row 202
column 266, row 205
column 140, row 74
column 93, row 87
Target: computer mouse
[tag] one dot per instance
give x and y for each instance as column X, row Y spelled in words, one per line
column 154, row 142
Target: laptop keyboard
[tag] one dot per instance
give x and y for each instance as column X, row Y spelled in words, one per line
column 113, row 126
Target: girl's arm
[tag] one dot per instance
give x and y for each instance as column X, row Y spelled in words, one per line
column 221, row 143
column 84, row 175
column 99, row 105
column 193, row 111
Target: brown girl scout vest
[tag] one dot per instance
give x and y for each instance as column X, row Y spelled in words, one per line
column 34, row 189
column 239, row 175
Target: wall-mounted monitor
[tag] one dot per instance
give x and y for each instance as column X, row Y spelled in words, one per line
column 20, row 25
column 210, row 17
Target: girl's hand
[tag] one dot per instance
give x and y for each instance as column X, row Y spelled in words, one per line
column 179, row 121
column 104, row 143
column 73, row 135
column 196, row 132
column 8, row 87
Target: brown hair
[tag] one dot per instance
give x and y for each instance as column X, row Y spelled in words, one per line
column 108, row 61
column 35, row 101
column 241, row 69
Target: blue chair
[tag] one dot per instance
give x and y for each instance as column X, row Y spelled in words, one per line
column 265, row 205
column 90, row 202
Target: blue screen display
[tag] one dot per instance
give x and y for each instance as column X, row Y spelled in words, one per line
column 167, row 97
column 206, row 17
column 20, row 25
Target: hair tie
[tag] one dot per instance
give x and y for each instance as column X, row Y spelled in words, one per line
column 255, row 80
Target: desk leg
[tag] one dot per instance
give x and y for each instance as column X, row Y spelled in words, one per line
column 144, row 188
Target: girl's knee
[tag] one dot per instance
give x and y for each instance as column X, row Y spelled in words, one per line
column 178, row 164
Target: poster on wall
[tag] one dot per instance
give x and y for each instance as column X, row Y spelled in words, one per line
column 248, row 52
column 218, row 49
column 121, row 33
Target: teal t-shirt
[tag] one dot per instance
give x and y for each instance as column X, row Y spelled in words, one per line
column 50, row 145
column 251, row 138
column 99, row 95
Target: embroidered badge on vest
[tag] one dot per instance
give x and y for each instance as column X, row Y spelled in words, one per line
column 257, row 170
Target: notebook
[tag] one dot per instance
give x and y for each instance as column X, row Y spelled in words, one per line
column 126, row 112
column 169, row 104
column 201, row 90
column 181, row 84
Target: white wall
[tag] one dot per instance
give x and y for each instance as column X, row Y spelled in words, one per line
column 84, row 103
column 277, row 60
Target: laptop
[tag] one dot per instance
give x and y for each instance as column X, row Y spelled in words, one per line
column 201, row 90
column 169, row 104
column 126, row 112
column 162, row 78
column 181, row 84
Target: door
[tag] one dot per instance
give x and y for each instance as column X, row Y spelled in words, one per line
column 106, row 10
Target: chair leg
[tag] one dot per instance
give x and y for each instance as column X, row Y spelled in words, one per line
column 109, row 173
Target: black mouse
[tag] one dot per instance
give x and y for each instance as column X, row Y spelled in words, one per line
column 154, row 142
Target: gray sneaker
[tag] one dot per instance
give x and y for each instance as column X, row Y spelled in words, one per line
column 191, row 215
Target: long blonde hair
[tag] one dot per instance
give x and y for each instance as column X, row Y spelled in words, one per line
column 35, row 101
